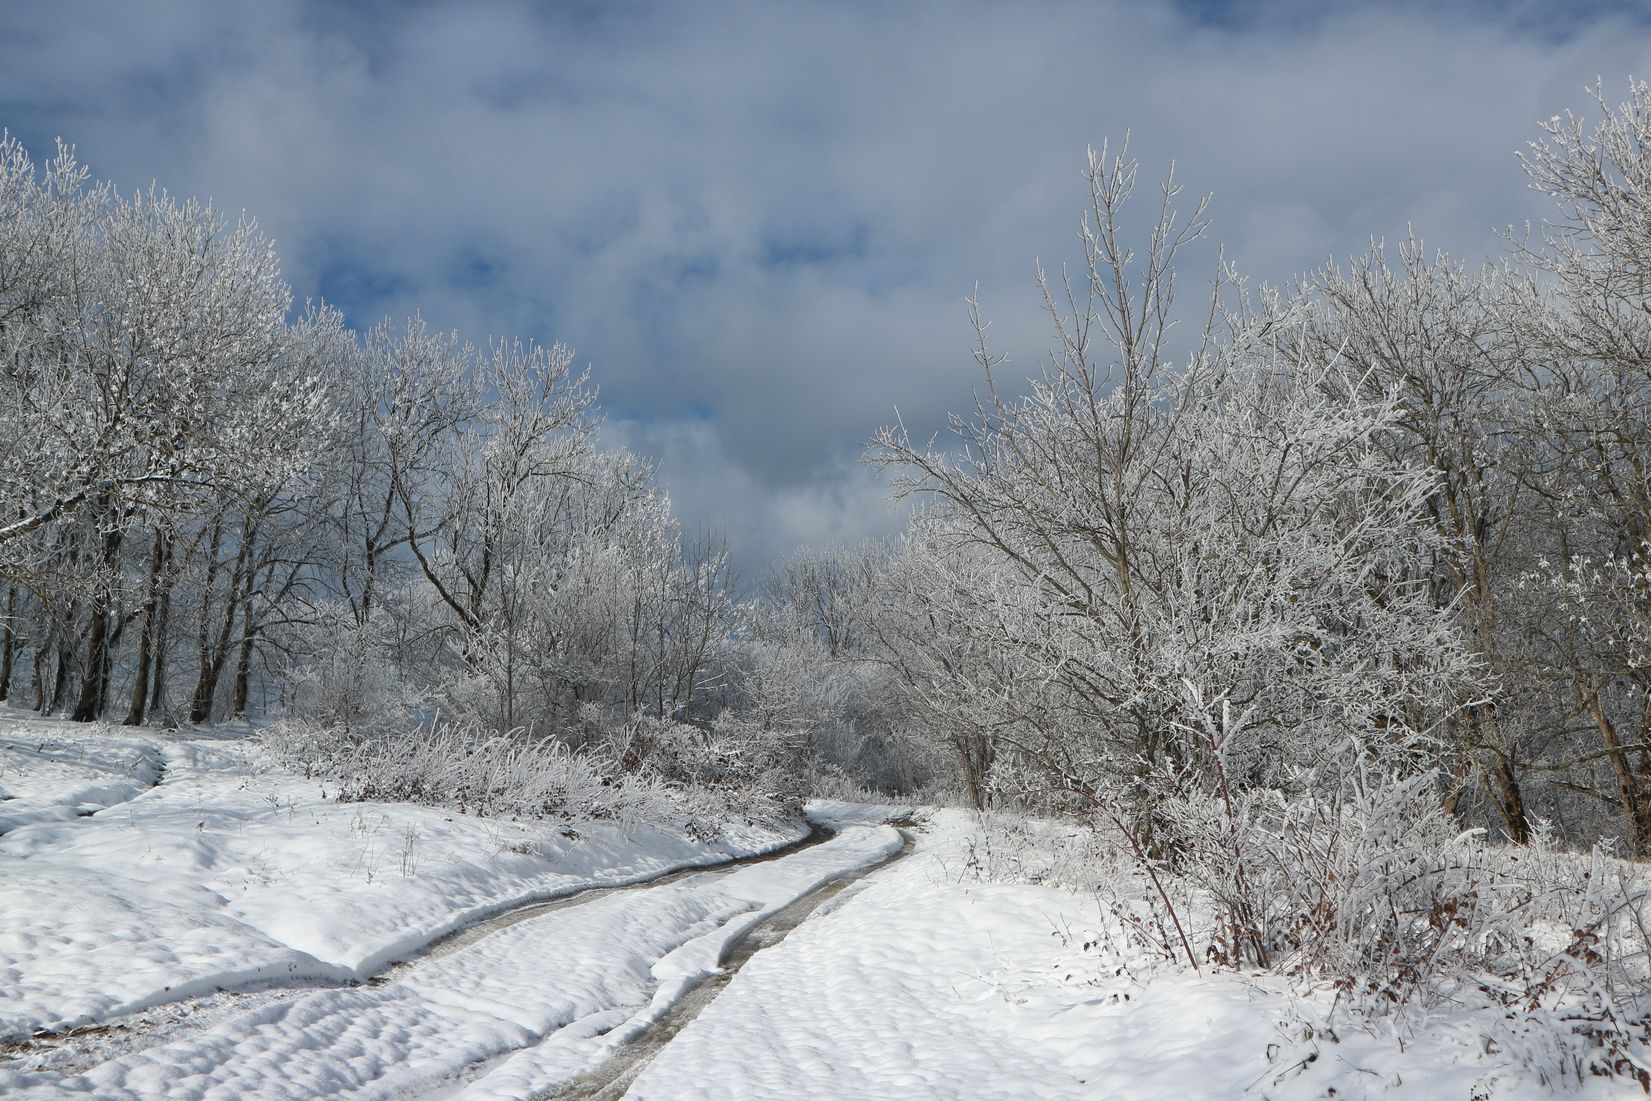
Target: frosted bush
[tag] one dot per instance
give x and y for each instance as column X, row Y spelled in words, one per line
column 645, row 770
column 348, row 682
column 461, row 766
column 1020, row 849
column 1373, row 890
column 734, row 768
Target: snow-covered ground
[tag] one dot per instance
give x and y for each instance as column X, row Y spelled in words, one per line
column 138, row 870
column 551, row 995
column 924, row 982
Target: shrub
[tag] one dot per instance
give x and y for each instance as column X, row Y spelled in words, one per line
column 1373, row 890
column 466, row 768
column 645, row 770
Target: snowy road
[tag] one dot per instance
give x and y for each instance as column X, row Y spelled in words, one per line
column 517, row 1012
column 143, row 875
column 612, row 1078
column 231, row 873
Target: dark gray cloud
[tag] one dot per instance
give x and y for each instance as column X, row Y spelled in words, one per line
column 759, row 221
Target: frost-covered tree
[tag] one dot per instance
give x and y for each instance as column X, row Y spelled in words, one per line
column 1587, row 308
column 143, row 380
column 209, row 506
column 815, row 661
column 481, row 521
column 1202, row 571
column 1436, row 337
column 148, row 376
column 651, row 611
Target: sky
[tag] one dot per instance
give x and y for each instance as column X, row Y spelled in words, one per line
column 759, row 223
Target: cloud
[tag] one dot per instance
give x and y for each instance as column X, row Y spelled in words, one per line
column 760, row 221
column 766, row 520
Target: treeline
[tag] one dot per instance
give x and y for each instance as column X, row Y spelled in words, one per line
column 1393, row 517
column 213, row 507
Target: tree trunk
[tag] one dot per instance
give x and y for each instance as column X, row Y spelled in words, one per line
column 94, row 680
column 60, row 682
column 8, row 642
column 1636, row 808
column 1461, row 778
column 1511, row 802
column 163, row 618
column 206, row 684
column 42, row 654
column 975, row 752
column 203, row 635
column 146, row 637
column 40, row 678
column 243, row 670
column 243, row 664
column 1507, row 794
column 214, row 654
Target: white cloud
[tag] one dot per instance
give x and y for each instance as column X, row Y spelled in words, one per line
column 760, row 220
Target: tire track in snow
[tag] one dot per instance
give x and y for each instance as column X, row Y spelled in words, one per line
column 472, row 932
column 613, row 1078
column 550, row 986
column 102, row 785
column 78, row 1049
